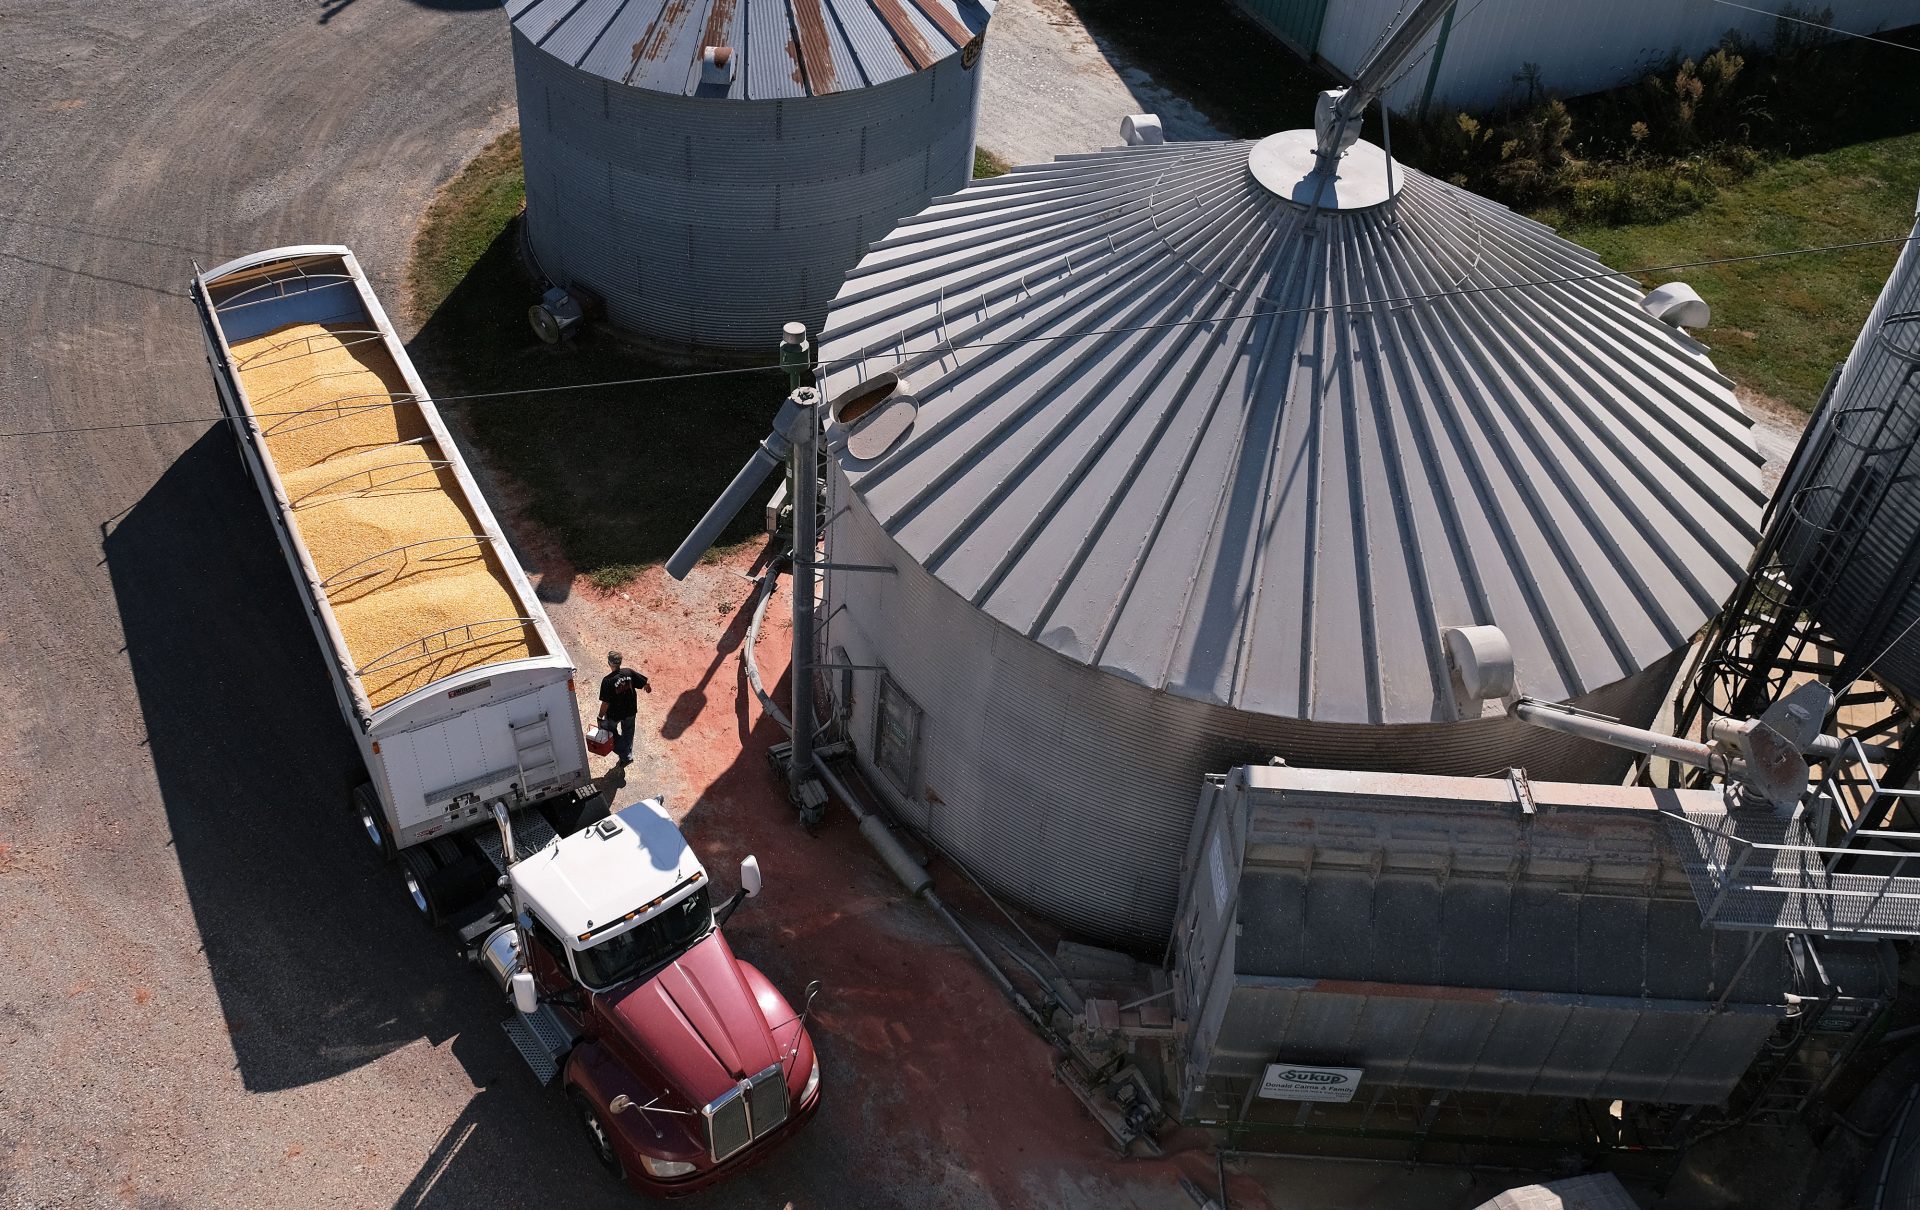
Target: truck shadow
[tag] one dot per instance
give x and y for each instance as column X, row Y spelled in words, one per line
column 318, row 966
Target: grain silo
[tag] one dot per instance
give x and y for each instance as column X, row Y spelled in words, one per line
column 1180, row 457
column 710, row 169
column 1848, row 521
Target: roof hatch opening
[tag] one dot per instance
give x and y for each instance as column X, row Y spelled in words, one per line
column 875, row 414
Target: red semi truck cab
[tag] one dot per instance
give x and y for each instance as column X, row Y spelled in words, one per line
column 682, row 1062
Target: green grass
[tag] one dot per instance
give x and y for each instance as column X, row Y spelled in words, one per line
column 617, row 476
column 1779, row 325
column 463, row 222
column 987, row 164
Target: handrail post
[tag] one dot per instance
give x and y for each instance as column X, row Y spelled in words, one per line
column 1733, row 871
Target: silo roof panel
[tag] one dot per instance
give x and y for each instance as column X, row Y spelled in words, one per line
column 1183, row 429
column 782, row 48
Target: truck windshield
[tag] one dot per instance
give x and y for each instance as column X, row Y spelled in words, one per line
column 655, row 942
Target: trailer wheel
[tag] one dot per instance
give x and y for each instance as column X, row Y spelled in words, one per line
column 417, row 865
column 598, row 1135
column 366, row 804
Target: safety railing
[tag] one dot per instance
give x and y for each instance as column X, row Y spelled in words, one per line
column 1797, row 885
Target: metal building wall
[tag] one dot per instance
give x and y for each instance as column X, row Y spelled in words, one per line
column 1437, row 934
column 1580, row 46
column 1851, row 502
column 709, row 223
column 1071, row 790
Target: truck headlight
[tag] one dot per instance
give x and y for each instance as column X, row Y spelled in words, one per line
column 664, row 1169
column 813, row 1081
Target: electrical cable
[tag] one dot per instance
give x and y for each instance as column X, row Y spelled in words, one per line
column 1832, row 29
column 951, row 347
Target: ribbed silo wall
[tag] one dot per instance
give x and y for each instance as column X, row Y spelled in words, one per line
column 709, row 223
column 1851, row 504
column 1072, row 791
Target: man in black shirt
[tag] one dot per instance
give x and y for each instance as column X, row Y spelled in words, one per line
column 619, row 702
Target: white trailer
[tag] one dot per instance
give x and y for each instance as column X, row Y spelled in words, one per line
column 449, row 673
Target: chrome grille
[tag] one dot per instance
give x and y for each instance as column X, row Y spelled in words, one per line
column 767, row 1098
column 750, row 1109
column 728, row 1128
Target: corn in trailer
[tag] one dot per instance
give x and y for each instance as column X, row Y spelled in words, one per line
column 451, row 678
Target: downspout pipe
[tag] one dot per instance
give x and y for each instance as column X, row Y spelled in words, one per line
column 1333, row 123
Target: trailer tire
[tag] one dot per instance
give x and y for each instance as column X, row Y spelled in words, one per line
column 417, row 867
column 598, row 1136
column 366, row 805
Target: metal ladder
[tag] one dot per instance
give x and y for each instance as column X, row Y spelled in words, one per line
column 533, row 753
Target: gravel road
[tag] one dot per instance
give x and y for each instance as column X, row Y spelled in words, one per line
column 184, row 1022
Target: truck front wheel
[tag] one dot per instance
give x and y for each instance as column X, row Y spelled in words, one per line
column 598, row 1133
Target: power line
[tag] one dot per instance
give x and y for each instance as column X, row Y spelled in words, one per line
column 949, row 346
column 1832, row 29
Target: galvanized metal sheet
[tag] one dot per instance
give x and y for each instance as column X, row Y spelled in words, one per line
column 782, row 48
column 1576, row 46
column 713, row 224
column 1437, row 933
column 1071, row 791
column 1206, row 439
column 1850, row 507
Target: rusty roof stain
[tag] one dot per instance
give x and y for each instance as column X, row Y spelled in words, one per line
column 912, row 45
column 829, row 45
column 816, row 50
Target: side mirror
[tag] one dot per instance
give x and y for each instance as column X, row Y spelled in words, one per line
column 526, row 997
column 750, row 876
column 620, row 1104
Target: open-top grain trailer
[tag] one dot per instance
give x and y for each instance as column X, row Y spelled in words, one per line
column 682, row 1061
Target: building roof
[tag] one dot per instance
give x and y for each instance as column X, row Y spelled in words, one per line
column 782, row 48
column 1175, row 424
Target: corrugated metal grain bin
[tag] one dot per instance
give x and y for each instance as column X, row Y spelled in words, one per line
column 712, row 168
column 1573, row 46
column 1173, row 471
column 1464, row 934
column 1850, row 506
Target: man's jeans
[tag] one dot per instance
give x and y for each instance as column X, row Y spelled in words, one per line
column 622, row 729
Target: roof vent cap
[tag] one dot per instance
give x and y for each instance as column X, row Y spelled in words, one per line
column 716, row 65
column 1678, row 305
column 1481, row 661
column 1142, row 130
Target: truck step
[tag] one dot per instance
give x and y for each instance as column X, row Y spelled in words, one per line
column 531, row 833
column 542, row 1039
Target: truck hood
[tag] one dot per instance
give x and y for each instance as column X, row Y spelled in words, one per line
column 698, row 1022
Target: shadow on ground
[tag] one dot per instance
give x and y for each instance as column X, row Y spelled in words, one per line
column 316, row 963
column 617, row 475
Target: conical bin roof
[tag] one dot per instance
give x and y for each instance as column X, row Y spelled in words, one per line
column 780, row 48
column 1256, row 440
